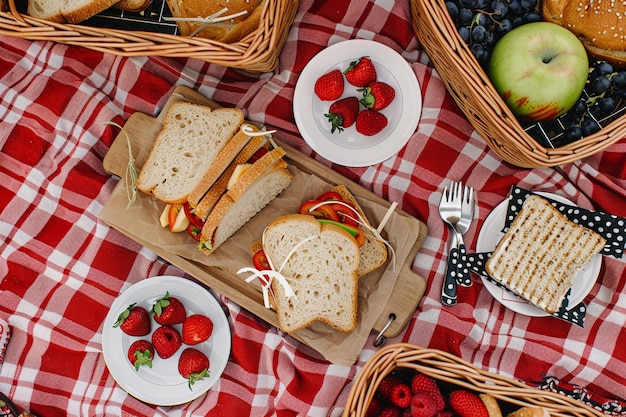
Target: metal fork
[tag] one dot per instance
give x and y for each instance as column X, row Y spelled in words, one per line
column 467, row 215
column 450, row 210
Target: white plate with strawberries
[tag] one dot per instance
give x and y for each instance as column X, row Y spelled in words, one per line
column 162, row 383
column 374, row 132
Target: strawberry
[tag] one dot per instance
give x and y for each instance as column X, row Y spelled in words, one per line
column 401, row 396
column 342, row 113
column 377, row 95
column 386, row 386
column 196, row 329
column 141, row 353
column 423, row 405
column 134, row 321
column 166, row 341
column 370, row 122
column 193, row 365
column 467, row 404
column 424, row 383
column 361, row 72
column 329, row 86
column 169, row 310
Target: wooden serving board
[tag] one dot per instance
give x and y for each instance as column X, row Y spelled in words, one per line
column 409, row 287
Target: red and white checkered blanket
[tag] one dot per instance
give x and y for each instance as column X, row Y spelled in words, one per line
column 61, row 268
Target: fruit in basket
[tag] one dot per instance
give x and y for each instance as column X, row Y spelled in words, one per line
column 423, row 405
column 169, row 310
column 361, row 73
column 166, row 341
column 329, row 86
column 423, row 383
column 196, row 329
column 141, row 353
column 193, row 365
column 467, row 404
column 377, row 95
column 370, row 122
column 134, row 321
column 401, row 396
column 539, row 69
column 342, row 113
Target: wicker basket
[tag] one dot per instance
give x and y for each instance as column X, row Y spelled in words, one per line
column 256, row 52
column 447, row 368
column 481, row 104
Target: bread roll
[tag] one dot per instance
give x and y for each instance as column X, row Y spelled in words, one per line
column 529, row 412
column 133, row 5
column 599, row 24
column 228, row 31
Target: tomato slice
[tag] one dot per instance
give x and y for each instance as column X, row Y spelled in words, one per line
column 324, row 211
column 259, row 260
column 194, row 231
column 257, row 155
column 193, row 219
column 360, row 238
column 346, row 214
column 330, row 195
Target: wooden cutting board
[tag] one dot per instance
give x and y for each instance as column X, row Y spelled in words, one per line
column 409, row 287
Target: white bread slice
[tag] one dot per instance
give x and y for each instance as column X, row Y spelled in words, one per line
column 373, row 252
column 256, row 188
column 133, row 5
column 191, row 138
column 529, row 411
column 538, row 257
column 46, row 9
column 321, row 272
column 222, row 161
column 212, row 196
column 75, row 11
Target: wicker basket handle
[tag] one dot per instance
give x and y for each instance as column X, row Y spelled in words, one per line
column 15, row 12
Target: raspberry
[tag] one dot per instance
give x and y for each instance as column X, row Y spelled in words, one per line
column 445, row 413
column 423, row 405
column 425, row 384
column 401, row 396
column 374, row 408
column 386, row 385
column 390, row 412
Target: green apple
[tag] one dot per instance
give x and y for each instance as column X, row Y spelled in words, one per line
column 539, row 69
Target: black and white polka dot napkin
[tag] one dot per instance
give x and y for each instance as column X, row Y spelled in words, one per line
column 611, row 227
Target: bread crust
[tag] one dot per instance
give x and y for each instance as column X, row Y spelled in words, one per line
column 133, row 5
column 599, row 24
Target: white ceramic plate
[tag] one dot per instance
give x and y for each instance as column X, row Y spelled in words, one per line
column 350, row 148
column 162, row 384
column 489, row 236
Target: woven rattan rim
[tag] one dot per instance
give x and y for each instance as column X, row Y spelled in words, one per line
column 446, row 367
column 481, row 104
column 256, row 52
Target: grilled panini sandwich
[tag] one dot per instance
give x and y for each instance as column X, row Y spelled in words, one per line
column 541, row 253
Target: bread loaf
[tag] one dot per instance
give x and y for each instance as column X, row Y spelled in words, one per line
column 538, row 257
column 133, row 5
column 321, row 272
column 191, row 138
column 529, row 411
column 228, row 31
column 599, row 24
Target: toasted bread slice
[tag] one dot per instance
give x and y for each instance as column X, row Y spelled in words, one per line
column 321, row 271
column 256, row 188
column 373, row 252
column 538, row 257
column 191, row 138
